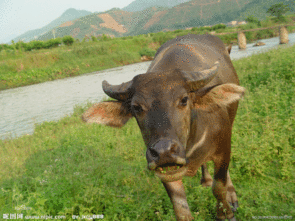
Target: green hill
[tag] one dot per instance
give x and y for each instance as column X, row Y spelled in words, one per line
column 195, row 13
column 68, row 15
column 140, row 5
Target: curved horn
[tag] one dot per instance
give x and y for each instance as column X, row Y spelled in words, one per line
column 119, row 92
column 199, row 79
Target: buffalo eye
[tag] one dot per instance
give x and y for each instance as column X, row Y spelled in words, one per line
column 137, row 108
column 183, row 101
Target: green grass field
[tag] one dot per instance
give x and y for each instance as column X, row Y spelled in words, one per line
column 71, row 168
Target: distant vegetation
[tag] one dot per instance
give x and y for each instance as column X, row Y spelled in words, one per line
column 71, row 168
column 39, row 61
column 278, row 10
column 152, row 19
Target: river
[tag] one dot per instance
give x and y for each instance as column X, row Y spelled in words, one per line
column 21, row 108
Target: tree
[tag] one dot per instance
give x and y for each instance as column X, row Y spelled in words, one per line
column 278, row 10
column 252, row 19
column 68, row 40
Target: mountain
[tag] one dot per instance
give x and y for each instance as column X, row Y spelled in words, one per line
column 195, row 13
column 140, row 5
column 68, row 15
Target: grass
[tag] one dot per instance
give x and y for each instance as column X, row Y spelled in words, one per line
column 19, row 67
column 45, row 65
column 71, row 168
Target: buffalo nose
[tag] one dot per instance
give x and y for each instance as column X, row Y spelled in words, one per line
column 166, row 151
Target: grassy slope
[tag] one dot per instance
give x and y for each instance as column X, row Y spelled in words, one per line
column 24, row 68
column 87, row 25
column 68, row 167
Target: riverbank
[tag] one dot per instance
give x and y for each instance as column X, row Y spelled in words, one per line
column 20, row 68
column 72, row 168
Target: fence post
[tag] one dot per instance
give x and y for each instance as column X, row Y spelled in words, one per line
column 284, row 38
column 242, row 40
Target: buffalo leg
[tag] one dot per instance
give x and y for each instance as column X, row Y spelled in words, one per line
column 219, row 187
column 177, row 196
column 206, row 179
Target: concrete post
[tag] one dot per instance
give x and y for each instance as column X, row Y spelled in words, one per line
column 284, row 38
column 242, row 42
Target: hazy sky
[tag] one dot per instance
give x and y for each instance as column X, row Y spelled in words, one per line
column 19, row 16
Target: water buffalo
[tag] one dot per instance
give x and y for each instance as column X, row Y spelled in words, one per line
column 185, row 105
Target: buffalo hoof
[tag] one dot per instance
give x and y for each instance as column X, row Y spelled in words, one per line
column 234, row 206
column 231, row 197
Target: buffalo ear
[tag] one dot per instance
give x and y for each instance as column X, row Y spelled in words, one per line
column 222, row 95
column 110, row 113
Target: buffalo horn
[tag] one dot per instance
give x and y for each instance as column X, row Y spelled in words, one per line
column 199, row 79
column 119, row 92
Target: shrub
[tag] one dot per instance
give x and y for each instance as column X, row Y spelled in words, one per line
column 37, row 45
column 105, row 38
column 6, row 46
column 219, row 26
column 205, row 28
column 147, row 52
column 68, row 40
column 177, row 31
column 195, row 29
column 52, row 43
column 252, row 19
column 20, row 45
column 262, row 34
column 94, row 39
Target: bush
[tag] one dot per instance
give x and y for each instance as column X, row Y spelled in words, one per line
column 94, row 39
column 219, row 26
column 177, row 31
column 68, row 40
column 19, row 45
column 262, row 34
column 205, row 28
column 52, row 43
column 147, row 52
column 6, row 46
column 28, row 46
column 105, row 38
column 37, row 45
column 195, row 29
column 252, row 19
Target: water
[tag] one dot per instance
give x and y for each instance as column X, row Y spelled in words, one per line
column 21, row 108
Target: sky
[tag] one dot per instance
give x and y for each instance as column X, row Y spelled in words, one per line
column 20, row 16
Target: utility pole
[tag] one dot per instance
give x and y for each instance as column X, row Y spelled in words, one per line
column 53, row 32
